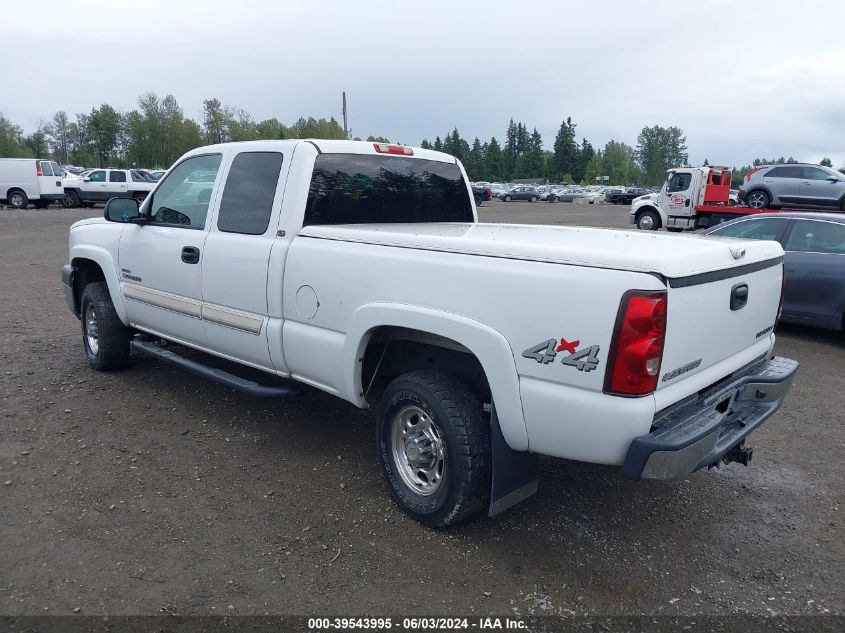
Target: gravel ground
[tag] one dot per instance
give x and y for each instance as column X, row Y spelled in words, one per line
column 151, row 491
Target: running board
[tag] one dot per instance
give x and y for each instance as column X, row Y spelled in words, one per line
column 219, row 376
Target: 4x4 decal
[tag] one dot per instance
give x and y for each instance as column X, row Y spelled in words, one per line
column 544, row 353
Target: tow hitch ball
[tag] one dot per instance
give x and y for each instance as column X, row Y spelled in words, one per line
column 740, row 454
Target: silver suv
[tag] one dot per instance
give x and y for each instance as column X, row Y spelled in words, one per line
column 793, row 184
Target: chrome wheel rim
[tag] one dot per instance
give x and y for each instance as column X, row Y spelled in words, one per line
column 92, row 332
column 756, row 201
column 646, row 223
column 17, row 200
column 418, row 450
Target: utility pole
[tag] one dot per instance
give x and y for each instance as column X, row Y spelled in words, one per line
column 345, row 129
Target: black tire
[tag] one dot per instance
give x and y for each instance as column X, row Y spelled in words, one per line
column 111, row 336
column 70, row 199
column 477, row 200
column 758, row 199
column 438, row 400
column 648, row 221
column 533, row 199
column 17, row 199
column 507, row 198
column 554, row 199
column 140, row 196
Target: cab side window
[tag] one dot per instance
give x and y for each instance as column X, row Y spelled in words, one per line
column 679, row 182
column 183, row 198
column 249, row 192
column 117, row 176
column 97, row 176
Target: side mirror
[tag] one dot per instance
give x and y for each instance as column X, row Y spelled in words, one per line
column 122, row 210
column 833, row 179
column 87, row 179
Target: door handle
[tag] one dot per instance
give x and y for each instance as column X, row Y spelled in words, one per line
column 190, row 255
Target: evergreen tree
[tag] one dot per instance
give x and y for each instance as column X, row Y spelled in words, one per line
column 566, row 155
column 494, row 161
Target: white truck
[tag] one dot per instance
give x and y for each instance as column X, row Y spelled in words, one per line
column 98, row 185
column 691, row 198
column 360, row 269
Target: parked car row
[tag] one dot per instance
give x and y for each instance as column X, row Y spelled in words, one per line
column 561, row 192
column 25, row 181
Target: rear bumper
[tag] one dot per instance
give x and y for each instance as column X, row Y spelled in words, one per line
column 699, row 432
column 68, row 279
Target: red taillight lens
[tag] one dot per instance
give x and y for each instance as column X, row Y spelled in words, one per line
column 38, row 171
column 637, row 347
column 386, row 148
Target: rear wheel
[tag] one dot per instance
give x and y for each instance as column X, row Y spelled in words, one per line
column 105, row 338
column 533, row 199
column 507, row 198
column 554, row 199
column 434, row 447
column 648, row 221
column 140, row 196
column 17, row 199
column 758, row 199
column 477, row 200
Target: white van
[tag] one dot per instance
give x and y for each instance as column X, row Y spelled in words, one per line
column 25, row 180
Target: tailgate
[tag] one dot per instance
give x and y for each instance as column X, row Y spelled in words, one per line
column 712, row 326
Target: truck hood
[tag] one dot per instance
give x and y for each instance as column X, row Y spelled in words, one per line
column 661, row 253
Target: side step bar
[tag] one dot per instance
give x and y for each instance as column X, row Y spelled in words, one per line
column 220, row 376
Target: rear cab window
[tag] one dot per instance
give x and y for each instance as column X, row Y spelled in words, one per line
column 368, row 189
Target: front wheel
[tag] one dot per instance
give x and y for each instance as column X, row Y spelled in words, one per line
column 507, row 198
column 554, row 199
column 105, row 338
column 648, row 221
column 70, row 199
column 534, row 199
column 434, row 446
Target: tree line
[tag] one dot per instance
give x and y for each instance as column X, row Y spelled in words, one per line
column 154, row 134
column 157, row 132
column 522, row 155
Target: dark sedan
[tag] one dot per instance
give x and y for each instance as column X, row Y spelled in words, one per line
column 531, row 194
column 814, row 261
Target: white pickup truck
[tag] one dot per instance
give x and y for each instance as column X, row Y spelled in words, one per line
column 360, row 269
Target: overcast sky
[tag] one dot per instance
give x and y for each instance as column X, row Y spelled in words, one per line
column 742, row 79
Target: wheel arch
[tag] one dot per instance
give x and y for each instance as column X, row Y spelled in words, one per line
column 488, row 347
column 93, row 263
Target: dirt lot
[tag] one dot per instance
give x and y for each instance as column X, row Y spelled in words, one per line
column 151, row 491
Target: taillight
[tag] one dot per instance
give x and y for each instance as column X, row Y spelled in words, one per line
column 636, row 350
column 386, row 148
column 782, row 291
column 38, row 171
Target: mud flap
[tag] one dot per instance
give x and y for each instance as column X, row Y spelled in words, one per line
column 514, row 472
